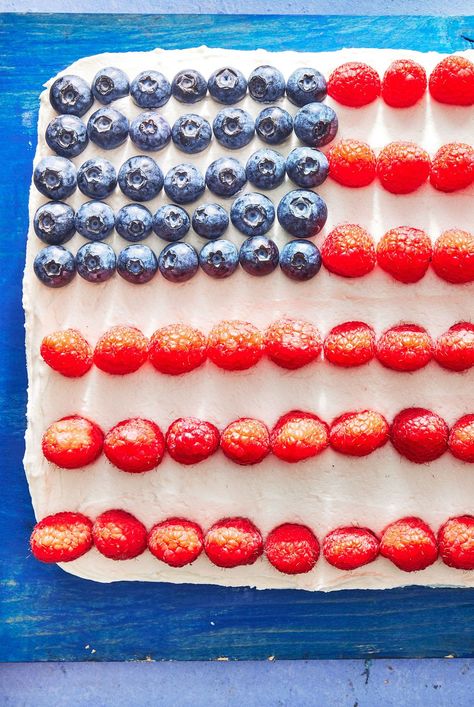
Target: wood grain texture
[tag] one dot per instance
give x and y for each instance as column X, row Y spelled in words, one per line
column 49, row 615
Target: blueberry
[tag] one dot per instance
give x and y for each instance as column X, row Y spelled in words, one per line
column 266, row 84
column 252, row 214
column 97, row 178
column 302, row 213
column 189, row 86
column 67, row 135
column 191, row 133
column 94, row 220
column 227, row 85
column 184, row 183
column 259, row 255
column 266, row 168
column 307, row 167
column 225, row 176
column 233, row 128
column 274, row 125
column 95, row 262
column 71, row 94
column 109, row 84
column 54, row 266
column 178, row 262
column 140, row 178
column 219, row 259
column 134, row 222
column 107, row 128
column 137, row 264
column 150, row 131
column 171, row 222
column 210, row 221
column 316, row 124
column 150, row 89
column 306, row 86
column 54, row 223
column 55, row 177
column 300, row 260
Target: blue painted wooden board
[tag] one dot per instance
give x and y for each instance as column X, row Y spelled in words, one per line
column 47, row 614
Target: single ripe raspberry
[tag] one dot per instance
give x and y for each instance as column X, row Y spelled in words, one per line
column 61, row 537
column 403, row 167
column 352, row 163
column 406, row 347
column 292, row 343
column 461, row 439
column 354, row 84
column 359, row 433
column 232, row 542
column 405, row 253
column 190, row 441
column 246, row 441
column 453, row 256
column 452, row 81
column 176, row 541
column 235, row 345
column 67, row 352
column 119, row 535
column 350, row 547
column 350, row 344
column 403, row 84
column 419, row 435
column 349, row 250
column 72, row 442
column 455, row 348
column 177, row 348
column 292, row 548
column 299, row 435
column 452, row 167
column 121, row 350
column 456, row 542
column 410, row 544
column 134, row 445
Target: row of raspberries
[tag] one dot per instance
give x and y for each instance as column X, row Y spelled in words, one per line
column 137, row 445
column 409, row 543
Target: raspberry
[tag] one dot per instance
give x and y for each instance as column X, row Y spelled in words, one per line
column 352, row 163
column 452, row 81
column 456, row 542
column 61, row 537
column 292, row 548
column 452, row 167
column 405, row 253
column 176, row 541
column 298, row 435
column 410, row 544
column 235, row 345
column 246, row 441
column 403, row 84
column 72, row 442
column 232, row 542
column 67, row 352
column 119, row 535
column 354, row 84
column 292, row 343
column 359, row 433
column 121, row 350
column 402, row 167
column 350, row 548
column 190, row 441
column 461, row 439
column 455, row 348
column 419, row 435
column 350, row 344
column 349, row 250
column 177, row 348
column 406, row 347
column 453, row 256
column 134, row 445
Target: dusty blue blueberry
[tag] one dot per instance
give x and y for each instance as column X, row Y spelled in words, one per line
column 110, row 84
column 225, row 176
column 107, row 128
column 259, row 256
column 252, row 214
column 302, row 213
column 210, row 220
column 137, row 263
column 189, row 86
column 94, row 220
column 71, row 94
column 233, row 128
column 266, row 84
column 55, row 177
column 191, row 133
column 150, row 89
column 274, row 125
column 300, row 260
column 97, row 178
column 54, row 223
column 265, row 168
column 67, row 135
column 178, row 262
column 219, row 259
column 184, row 183
column 306, row 86
column 316, row 124
column 140, row 178
column 54, row 266
column 134, row 222
column 171, row 222
column 150, row 131
column 227, row 85
column 307, row 167
column 95, row 262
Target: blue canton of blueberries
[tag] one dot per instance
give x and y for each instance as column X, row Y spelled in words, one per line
column 54, row 223
column 150, row 89
column 137, row 264
column 95, row 262
column 259, row 256
column 70, row 94
column 134, row 222
column 219, row 259
column 55, row 177
column 302, row 213
column 184, row 183
column 300, row 260
column 233, row 128
column 274, row 125
column 54, row 266
column 191, row 133
column 171, row 222
column 178, row 262
column 94, row 220
column 210, row 220
column 266, row 168
column 266, row 84
column 227, row 85
column 307, row 167
column 110, row 84
column 140, row 178
column 97, row 178
column 225, row 177
column 67, row 135
column 316, row 124
column 107, row 128
column 306, row 86
column 252, row 214
column 189, row 86
column 150, row 131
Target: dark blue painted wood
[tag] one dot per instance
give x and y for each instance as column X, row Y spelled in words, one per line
column 49, row 615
